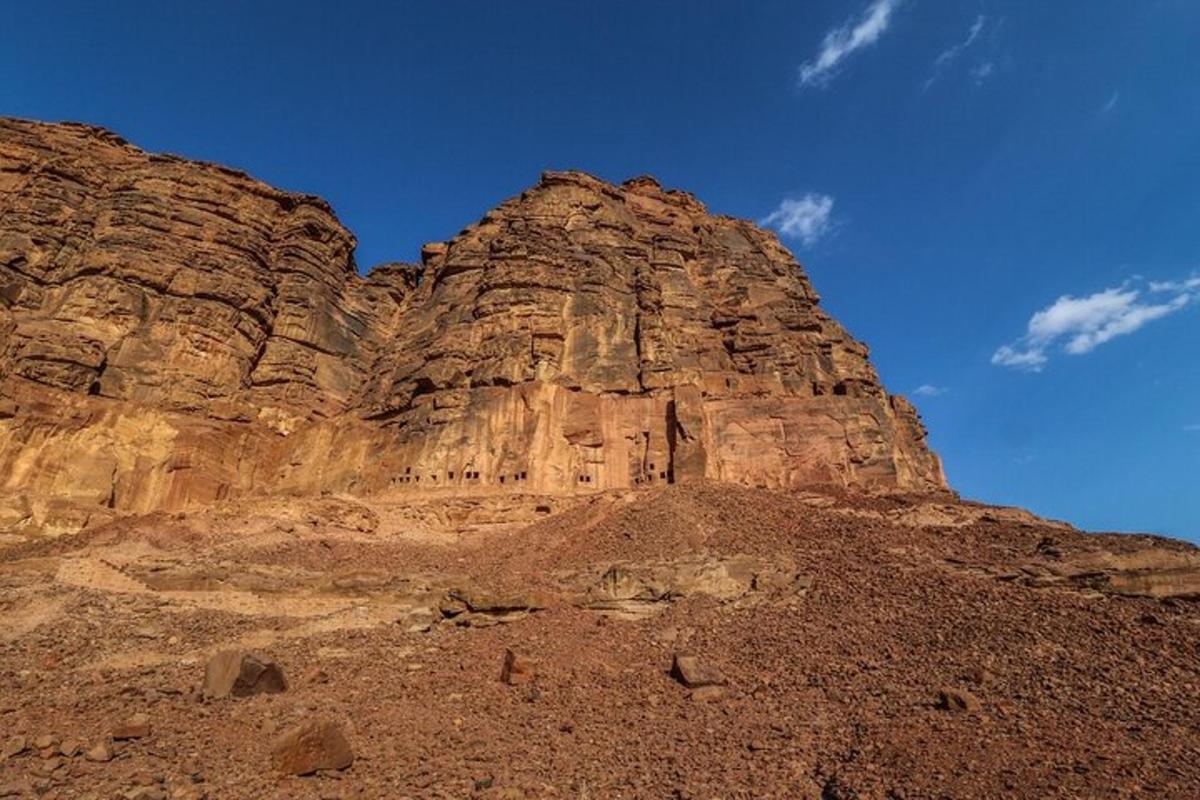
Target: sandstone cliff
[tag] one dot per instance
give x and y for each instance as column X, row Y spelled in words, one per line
column 608, row 336
column 174, row 332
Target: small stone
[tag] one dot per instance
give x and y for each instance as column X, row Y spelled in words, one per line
column 145, row 793
column 314, row 676
column 693, row 673
column 312, row 746
column 950, row 699
column 70, row 747
column 240, row 674
column 45, row 742
column 708, row 694
column 13, row 746
column 517, row 669
column 136, row 727
column 100, row 752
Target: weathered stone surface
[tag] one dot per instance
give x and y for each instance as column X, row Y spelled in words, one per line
column 238, row 674
column 136, row 727
column 951, row 699
column 638, row 590
column 175, row 333
column 312, row 746
column 1153, row 571
column 708, row 694
column 180, row 285
column 164, row 322
column 694, row 673
column 517, row 668
column 586, row 336
column 100, row 752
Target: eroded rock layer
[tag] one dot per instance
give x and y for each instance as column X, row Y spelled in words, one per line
column 174, row 332
column 585, row 334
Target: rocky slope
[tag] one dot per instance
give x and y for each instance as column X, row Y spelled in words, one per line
column 688, row 641
column 173, row 333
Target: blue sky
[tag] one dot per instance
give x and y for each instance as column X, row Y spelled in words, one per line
column 1001, row 198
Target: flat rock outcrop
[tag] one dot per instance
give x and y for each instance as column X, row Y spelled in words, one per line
column 175, row 333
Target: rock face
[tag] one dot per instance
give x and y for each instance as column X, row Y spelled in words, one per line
column 173, row 333
column 190, row 297
column 183, row 286
column 588, row 336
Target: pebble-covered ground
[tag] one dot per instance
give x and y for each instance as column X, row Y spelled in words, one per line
column 855, row 647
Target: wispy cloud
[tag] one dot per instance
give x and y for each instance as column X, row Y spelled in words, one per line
column 806, row 218
column 1176, row 287
column 1079, row 325
column 929, row 390
column 982, row 71
column 854, row 34
column 951, row 54
column 1193, row 428
column 1113, row 99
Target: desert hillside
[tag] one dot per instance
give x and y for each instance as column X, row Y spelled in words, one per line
column 596, row 501
column 844, row 646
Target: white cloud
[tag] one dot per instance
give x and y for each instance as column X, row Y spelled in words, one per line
column 1032, row 359
column 845, row 39
column 947, row 56
column 805, row 218
column 982, row 71
column 1081, row 324
column 1176, row 287
column 929, row 390
column 1193, row 428
column 1112, row 102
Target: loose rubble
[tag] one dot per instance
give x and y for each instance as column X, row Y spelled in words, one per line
column 798, row 645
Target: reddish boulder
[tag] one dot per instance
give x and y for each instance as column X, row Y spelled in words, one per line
column 517, row 669
column 240, row 674
column 136, row 727
column 312, row 746
column 695, row 673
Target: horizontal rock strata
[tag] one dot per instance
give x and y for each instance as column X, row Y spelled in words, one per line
column 174, row 333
